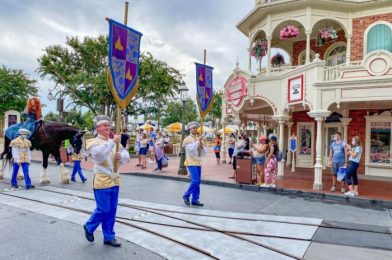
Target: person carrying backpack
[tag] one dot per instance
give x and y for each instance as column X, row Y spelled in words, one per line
column 271, row 163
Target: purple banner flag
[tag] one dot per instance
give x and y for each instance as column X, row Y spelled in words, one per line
column 124, row 51
column 205, row 93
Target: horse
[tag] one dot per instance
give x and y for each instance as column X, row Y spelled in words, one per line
column 47, row 138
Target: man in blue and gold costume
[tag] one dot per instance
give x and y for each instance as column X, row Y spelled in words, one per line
column 22, row 157
column 106, row 182
column 194, row 149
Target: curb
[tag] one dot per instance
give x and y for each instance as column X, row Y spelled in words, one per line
column 330, row 198
column 310, row 195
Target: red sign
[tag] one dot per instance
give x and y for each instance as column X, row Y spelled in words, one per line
column 236, row 90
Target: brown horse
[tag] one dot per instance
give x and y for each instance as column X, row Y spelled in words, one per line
column 47, row 138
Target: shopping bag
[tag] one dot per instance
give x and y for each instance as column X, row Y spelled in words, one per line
column 341, row 175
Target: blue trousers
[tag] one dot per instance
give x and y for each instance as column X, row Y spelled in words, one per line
column 105, row 213
column 25, row 168
column 194, row 187
column 77, row 169
column 351, row 173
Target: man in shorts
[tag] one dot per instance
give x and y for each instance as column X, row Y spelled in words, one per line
column 337, row 157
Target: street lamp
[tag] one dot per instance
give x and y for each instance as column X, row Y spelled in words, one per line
column 182, row 90
column 60, row 103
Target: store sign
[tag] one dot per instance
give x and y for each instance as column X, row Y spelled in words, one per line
column 296, row 89
column 236, row 90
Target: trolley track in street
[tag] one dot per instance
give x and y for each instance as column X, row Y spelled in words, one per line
column 165, row 213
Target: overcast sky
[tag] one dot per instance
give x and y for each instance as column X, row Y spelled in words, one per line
column 175, row 31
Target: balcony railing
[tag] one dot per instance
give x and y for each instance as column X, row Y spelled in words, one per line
column 332, row 73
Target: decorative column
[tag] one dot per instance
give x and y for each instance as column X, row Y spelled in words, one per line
column 258, row 128
column 318, row 167
column 348, row 49
column 345, row 123
column 307, row 61
column 289, row 125
column 224, row 143
column 281, row 119
column 281, row 148
column 265, row 128
column 269, row 39
column 250, row 59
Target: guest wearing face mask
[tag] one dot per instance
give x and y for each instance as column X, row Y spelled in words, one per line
column 239, row 148
column 355, row 153
column 337, row 157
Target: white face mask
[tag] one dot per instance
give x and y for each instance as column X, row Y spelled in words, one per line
column 353, row 142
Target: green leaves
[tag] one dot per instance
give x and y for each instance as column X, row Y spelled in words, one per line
column 79, row 71
column 175, row 110
column 15, row 89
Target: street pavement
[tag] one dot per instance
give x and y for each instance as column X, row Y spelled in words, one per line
column 63, row 238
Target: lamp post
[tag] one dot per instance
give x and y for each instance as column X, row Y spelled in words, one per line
column 60, row 104
column 182, row 90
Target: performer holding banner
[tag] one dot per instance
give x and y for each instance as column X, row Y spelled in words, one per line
column 123, row 68
column 194, row 146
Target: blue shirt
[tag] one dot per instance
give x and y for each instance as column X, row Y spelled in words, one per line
column 338, row 155
column 357, row 149
column 152, row 138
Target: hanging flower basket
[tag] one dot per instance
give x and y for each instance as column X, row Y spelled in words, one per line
column 326, row 35
column 259, row 49
column 277, row 60
column 288, row 32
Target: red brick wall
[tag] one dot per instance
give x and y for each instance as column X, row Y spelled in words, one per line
column 359, row 27
column 299, row 46
column 357, row 126
column 301, row 116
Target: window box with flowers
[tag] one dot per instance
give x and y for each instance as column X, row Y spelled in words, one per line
column 259, row 49
column 277, row 60
column 290, row 31
column 326, row 35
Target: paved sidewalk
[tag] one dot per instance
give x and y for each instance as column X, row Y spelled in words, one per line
column 300, row 181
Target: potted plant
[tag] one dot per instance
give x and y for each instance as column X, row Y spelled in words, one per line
column 277, row 60
column 259, row 49
column 290, row 31
column 326, row 35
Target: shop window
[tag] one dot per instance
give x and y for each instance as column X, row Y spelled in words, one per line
column 305, row 140
column 336, row 56
column 380, row 142
column 379, row 37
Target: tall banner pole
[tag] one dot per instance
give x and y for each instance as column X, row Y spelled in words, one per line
column 119, row 110
column 204, row 87
column 123, row 67
column 201, row 114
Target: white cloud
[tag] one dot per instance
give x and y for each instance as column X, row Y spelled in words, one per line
column 175, row 31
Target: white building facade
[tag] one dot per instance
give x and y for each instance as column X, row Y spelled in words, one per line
column 331, row 84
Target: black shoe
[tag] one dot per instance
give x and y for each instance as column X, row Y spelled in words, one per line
column 113, row 243
column 197, row 203
column 89, row 236
column 30, row 187
column 84, row 180
column 15, row 186
column 186, row 201
column 73, row 180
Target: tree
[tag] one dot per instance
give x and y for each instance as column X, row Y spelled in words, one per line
column 15, row 88
column 216, row 111
column 52, row 117
column 175, row 110
column 79, row 71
